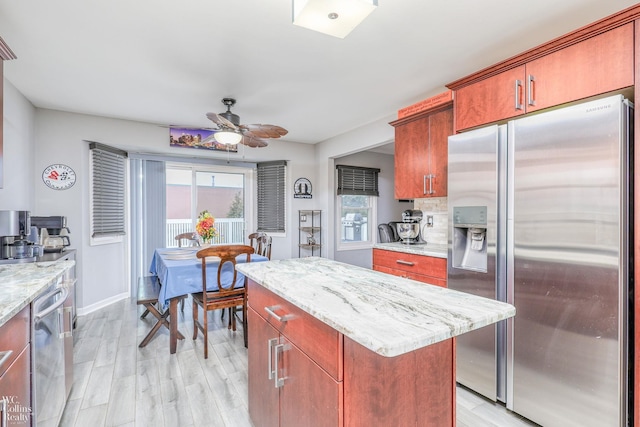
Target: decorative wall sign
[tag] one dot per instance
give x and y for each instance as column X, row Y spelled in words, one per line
column 302, row 189
column 59, row 177
column 192, row 138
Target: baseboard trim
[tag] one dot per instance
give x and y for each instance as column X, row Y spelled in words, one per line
column 101, row 304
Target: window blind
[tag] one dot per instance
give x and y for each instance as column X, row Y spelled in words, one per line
column 108, row 190
column 357, row 181
column 271, row 196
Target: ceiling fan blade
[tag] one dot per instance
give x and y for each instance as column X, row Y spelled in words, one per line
column 264, row 131
column 252, row 141
column 221, row 121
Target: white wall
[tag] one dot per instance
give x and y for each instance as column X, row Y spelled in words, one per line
column 18, row 151
column 388, row 208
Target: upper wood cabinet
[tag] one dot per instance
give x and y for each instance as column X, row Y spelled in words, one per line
column 421, row 153
column 596, row 65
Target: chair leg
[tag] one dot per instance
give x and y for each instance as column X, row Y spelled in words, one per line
column 195, row 319
column 204, row 331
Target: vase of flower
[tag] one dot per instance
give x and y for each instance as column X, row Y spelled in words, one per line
column 205, row 228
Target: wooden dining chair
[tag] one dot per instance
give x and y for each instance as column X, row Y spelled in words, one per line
column 219, row 295
column 261, row 243
column 190, row 237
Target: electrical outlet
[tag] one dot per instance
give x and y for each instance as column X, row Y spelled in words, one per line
column 429, row 220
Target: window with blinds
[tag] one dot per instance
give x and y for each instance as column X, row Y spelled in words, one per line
column 357, row 181
column 107, row 190
column 271, row 196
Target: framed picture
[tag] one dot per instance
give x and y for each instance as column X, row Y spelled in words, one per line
column 193, row 138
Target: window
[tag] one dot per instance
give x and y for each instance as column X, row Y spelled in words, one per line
column 107, row 192
column 356, row 206
column 271, row 196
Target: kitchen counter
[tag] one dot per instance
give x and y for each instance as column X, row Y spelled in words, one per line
column 386, row 314
column 429, row 249
column 22, row 283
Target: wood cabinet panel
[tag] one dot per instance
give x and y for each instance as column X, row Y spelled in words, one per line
column 413, row 389
column 263, row 395
column 15, row 388
column 440, row 127
column 419, row 264
column 490, row 100
column 14, row 336
column 319, row 341
column 411, row 156
column 413, row 276
column 597, row 65
column 309, row 396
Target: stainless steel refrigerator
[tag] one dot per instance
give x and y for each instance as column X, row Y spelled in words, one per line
column 540, row 216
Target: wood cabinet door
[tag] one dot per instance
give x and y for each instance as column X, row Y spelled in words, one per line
column 594, row 66
column 491, row 99
column 15, row 389
column 309, row 396
column 263, row 395
column 440, row 127
column 411, row 158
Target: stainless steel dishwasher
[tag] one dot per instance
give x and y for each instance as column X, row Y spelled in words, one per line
column 47, row 338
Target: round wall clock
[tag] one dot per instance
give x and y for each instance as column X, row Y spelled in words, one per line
column 59, row 177
column 302, row 189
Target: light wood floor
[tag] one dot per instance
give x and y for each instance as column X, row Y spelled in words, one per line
column 118, row 384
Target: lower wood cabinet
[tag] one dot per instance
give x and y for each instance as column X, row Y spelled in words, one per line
column 15, row 370
column 302, row 372
column 422, row 268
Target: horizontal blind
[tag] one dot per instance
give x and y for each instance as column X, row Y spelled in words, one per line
column 357, row 181
column 108, row 190
column 271, row 196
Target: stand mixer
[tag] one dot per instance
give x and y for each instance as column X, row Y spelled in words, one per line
column 409, row 228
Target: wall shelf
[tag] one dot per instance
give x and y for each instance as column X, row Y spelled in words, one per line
column 309, row 233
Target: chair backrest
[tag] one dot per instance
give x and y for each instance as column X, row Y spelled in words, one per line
column 261, row 243
column 227, row 254
column 191, row 238
column 385, row 233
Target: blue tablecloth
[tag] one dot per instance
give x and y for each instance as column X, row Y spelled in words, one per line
column 182, row 274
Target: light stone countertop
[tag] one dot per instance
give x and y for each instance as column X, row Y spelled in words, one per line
column 387, row 314
column 22, row 283
column 429, row 249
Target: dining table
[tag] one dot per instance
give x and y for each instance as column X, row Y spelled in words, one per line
column 179, row 272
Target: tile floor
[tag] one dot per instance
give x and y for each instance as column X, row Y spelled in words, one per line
column 118, row 384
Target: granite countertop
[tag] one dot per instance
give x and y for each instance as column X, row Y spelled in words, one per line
column 387, row 314
column 22, row 283
column 428, row 249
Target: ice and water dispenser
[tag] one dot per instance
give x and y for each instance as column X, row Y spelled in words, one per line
column 469, row 242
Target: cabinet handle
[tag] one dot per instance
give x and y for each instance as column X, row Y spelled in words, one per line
column 4, row 356
column 424, row 184
column 270, row 311
column 530, row 84
column 271, row 343
column 519, row 105
column 3, row 408
column 278, row 382
column 431, row 176
column 403, row 262
column 69, row 333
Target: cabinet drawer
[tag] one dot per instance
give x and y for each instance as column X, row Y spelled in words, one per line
column 14, row 336
column 417, row 264
column 15, row 389
column 320, row 342
column 413, row 276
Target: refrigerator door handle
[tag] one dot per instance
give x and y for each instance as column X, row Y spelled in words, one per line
column 518, row 90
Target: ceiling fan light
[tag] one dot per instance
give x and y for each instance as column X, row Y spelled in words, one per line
column 228, row 137
column 333, row 17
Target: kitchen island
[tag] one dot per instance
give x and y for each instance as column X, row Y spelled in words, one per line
column 348, row 346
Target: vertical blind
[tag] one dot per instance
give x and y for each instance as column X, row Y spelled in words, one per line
column 357, row 181
column 108, row 190
column 271, row 196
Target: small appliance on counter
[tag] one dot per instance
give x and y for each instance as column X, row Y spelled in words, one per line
column 15, row 227
column 409, row 228
column 54, row 233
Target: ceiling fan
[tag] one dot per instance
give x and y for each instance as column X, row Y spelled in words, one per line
column 230, row 131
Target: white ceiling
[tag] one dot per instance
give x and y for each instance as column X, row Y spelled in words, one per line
column 170, row 62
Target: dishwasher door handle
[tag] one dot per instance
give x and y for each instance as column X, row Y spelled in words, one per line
column 41, row 314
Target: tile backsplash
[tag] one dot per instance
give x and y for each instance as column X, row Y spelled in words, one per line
column 436, row 207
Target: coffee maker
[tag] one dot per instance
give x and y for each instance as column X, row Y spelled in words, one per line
column 409, row 228
column 15, row 226
column 54, row 233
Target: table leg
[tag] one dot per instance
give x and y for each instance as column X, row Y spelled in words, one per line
column 173, row 324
